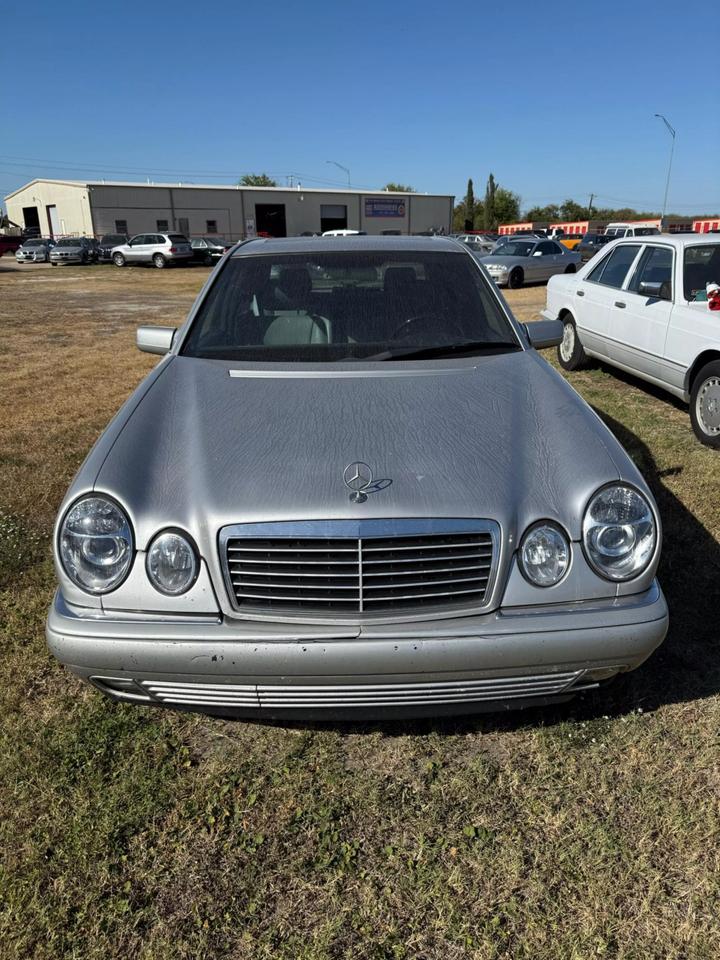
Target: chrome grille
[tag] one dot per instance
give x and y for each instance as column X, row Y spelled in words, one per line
column 334, row 695
column 383, row 566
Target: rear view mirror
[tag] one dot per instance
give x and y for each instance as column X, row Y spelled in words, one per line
column 155, row 339
column 655, row 289
column 545, row 333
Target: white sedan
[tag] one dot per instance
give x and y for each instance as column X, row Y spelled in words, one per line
column 641, row 305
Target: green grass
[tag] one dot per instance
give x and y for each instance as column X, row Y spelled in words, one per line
column 588, row 830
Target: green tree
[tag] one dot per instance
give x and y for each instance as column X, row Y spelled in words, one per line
column 399, row 188
column 549, row 213
column 469, row 206
column 570, row 210
column 490, row 218
column 506, row 207
column 256, row 180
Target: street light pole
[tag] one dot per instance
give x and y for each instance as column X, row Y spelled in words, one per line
column 336, row 164
column 672, row 149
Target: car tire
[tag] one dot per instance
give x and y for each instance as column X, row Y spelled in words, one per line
column 118, row 259
column 159, row 261
column 52, row 263
column 207, row 260
column 570, row 268
column 705, row 405
column 516, row 278
column 570, row 353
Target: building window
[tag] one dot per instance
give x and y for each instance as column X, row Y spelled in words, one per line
column 162, row 225
column 211, row 226
column 121, row 226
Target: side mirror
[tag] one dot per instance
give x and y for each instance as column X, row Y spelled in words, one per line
column 544, row 333
column 656, row 290
column 156, row 339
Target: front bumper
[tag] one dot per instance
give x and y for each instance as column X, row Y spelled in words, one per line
column 510, row 658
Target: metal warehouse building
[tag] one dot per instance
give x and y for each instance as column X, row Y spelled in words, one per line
column 87, row 208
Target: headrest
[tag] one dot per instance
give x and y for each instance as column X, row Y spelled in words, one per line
column 399, row 279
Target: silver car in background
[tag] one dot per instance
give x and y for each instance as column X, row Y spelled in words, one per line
column 70, row 250
column 35, row 250
column 158, row 249
column 353, row 488
column 529, row 260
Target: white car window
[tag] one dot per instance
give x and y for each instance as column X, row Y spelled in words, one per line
column 612, row 270
column 655, row 267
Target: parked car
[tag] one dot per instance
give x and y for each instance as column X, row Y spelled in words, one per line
column 10, row 242
column 352, row 488
column 642, row 306
column 108, row 243
column 590, row 244
column 476, row 241
column 35, row 251
column 208, row 250
column 528, row 260
column 160, row 249
column 617, row 230
column 74, row 250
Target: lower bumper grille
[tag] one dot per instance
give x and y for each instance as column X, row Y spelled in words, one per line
column 359, row 567
column 334, row 696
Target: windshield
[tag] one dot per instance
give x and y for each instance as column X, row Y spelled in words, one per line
column 702, row 266
column 70, row 242
column 515, row 248
column 34, row 243
column 329, row 307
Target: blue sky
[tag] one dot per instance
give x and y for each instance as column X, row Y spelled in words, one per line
column 555, row 98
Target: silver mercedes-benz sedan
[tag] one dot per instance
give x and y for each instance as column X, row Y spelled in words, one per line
column 353, row 488
column 528, row 260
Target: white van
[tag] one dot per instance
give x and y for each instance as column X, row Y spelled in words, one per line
column 642, row 229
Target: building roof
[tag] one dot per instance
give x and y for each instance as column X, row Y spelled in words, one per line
column 86, row 184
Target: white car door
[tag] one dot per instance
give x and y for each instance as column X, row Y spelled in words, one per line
column 596, row 294
column 693, row 327
column 640, row 315
column 135, row 248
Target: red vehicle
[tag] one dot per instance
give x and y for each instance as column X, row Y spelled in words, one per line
column 9, row 244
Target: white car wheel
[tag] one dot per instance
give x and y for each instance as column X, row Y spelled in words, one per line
column 707, row 406
column 570, row 353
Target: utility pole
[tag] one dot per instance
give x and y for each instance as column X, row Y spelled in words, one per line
column 667, row 182
column 592, row 197
column 341, row 167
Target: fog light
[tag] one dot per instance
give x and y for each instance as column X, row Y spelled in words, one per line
column 172, row 564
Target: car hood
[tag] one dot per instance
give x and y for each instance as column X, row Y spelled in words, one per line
column 69, row 249
column 502, row 437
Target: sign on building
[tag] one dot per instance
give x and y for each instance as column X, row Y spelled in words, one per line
column 375, row 207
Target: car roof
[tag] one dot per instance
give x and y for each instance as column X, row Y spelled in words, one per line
column 367, row 244
column 674, row 239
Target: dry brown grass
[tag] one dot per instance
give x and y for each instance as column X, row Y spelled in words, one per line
column 578, row 832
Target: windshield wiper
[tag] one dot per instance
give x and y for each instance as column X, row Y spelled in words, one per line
column 446, row 349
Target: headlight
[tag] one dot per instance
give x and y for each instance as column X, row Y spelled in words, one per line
column 172, row 565
column 619, row 532
column 544, row 555
column 96, row 544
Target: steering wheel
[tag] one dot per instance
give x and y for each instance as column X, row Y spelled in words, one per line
column 405, row 328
